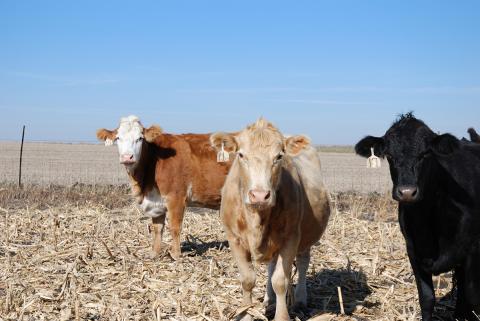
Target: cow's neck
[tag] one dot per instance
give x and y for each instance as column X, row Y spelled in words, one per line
column 139, row 177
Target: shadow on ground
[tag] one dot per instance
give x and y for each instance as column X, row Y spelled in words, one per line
column 323, row 294
column 194, row 246
column 323, row 291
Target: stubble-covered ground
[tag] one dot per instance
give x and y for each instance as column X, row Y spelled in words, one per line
column 83, row 253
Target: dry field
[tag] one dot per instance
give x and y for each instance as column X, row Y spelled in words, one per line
column 82, row 253
column 67, row 164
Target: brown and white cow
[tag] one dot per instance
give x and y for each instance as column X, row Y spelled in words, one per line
column 274, row 208
column 167, row 173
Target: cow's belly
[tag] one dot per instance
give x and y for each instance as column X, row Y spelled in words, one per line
column 153, row 204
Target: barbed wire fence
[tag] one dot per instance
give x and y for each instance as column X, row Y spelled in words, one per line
column 95, row 164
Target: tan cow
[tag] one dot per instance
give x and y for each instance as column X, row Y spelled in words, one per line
column 167, row 172
column 274, row 208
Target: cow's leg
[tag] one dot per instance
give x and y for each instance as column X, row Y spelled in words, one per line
column 303, row 260
column 175, row 212
column 269, row 297
column 461, row 304
column 158, row 223
column 471, row 284
column 425, row 290
column 247, row 273
column 281, row 279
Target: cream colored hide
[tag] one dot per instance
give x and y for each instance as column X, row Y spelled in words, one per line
column 274, row 208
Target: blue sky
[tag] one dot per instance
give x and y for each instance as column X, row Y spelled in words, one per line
column 334, row 70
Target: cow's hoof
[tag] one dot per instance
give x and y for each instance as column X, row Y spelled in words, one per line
column 244, row 317
column 155, row 254
column 175, row 255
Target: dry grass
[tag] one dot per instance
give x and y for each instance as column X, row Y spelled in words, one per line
column 71, row 256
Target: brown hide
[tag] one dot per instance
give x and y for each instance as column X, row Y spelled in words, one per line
column 184, row 170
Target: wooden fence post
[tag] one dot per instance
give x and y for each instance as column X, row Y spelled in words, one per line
column 21, row 154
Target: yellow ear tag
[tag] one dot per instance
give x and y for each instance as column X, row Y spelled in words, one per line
column 373, row 161
column 223, row 156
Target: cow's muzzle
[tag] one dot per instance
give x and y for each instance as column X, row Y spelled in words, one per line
column 406, row 193
column 127, row 159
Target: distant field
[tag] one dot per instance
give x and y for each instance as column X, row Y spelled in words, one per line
column 67, row 164
column 335, row 148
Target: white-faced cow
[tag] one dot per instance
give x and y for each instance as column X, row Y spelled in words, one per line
column 274, row 207
column 436, row 180
column 167, row 172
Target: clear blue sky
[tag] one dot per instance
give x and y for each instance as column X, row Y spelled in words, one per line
column 335, row 70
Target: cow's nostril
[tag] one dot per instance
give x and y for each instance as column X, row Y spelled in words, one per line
column 267, row 196
column 414, row 193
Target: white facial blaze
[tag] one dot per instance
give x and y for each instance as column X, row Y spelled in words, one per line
column 260, row 173
column 129, row 140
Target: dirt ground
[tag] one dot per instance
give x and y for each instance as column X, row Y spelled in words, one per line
column 83, row 253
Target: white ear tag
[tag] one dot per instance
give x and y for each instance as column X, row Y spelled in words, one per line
column 108, row 142
column 373, row 161
column 223, row 156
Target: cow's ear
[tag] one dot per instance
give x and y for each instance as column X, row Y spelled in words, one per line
column 445, row 144
column 105, row 134
column 362, row 148
column 151, row 133
column 295, row 144
column 227, row 140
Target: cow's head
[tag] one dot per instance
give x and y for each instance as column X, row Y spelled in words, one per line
column 260, row 151
column 410, row 147
column 131, row 138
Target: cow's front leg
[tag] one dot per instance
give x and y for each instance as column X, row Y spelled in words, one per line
column 158, row 223
column 247, row 274
column 175, row 212
column 281, row 280
column 426, row 294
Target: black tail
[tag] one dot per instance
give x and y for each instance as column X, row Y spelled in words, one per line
column 473, row 135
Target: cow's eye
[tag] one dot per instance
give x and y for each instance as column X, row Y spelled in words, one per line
column 240, row 155
column 278, row 158
column 140, row 139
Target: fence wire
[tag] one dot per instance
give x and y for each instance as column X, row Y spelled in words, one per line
column 68, row 164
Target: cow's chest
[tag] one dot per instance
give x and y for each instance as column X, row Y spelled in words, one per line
column 154, row 204
column 431, row 230
column 264, row 242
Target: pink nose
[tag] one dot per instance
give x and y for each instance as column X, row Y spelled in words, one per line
column 258, row 196
column 126, row 159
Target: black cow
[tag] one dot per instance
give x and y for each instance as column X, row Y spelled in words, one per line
column 474, row 137
column 436, row 180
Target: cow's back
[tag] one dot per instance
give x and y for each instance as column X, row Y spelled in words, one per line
column 207, row 175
